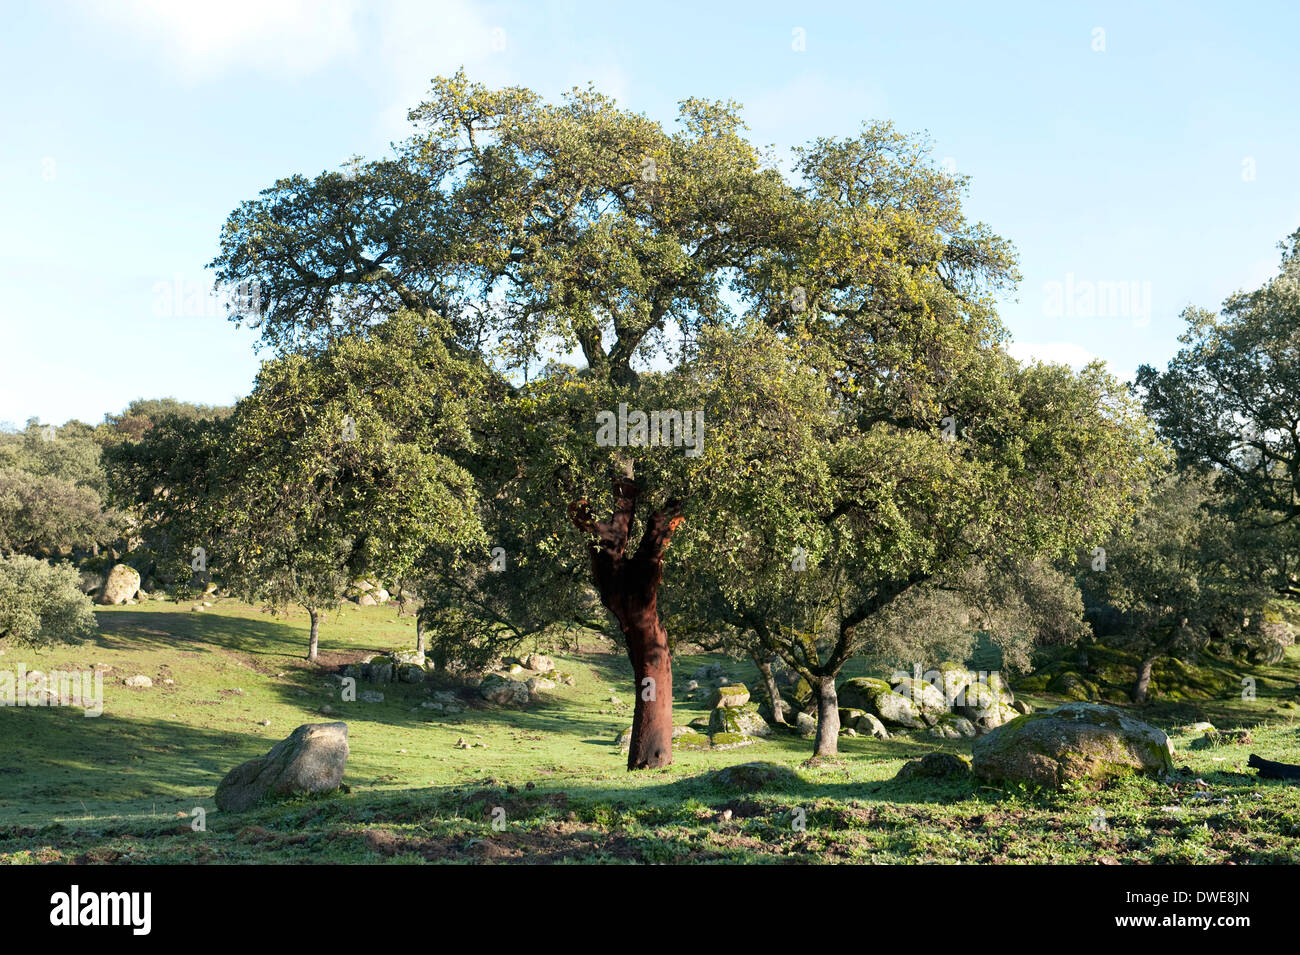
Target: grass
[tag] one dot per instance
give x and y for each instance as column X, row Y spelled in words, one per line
column 123, row 787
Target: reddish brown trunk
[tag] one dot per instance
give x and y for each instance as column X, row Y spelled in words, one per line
column 629, row 588
column 652, row 722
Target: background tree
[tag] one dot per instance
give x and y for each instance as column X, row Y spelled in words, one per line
column 1172, row 578
column 1230, row 399
column 337, row 465
column 52, row 488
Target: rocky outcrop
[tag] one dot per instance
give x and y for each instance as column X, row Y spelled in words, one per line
column 311, row 760
column 1074, row 742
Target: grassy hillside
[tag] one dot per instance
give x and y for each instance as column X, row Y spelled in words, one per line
column 122, row 787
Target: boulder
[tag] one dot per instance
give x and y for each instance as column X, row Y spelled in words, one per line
column 877, row 697
column 503, row 692
column 954, row 678
column 850, row 716
column 712, row 673
column 791, row 685
column 984, row 706
column 139, row 681
column 365, row 600
column 935, row 766
column 122, row 584
column 410, row 673
column 380, row 670
column 743, row 720
column 730, row 741
column 736, row 695
column 752, row 776
column 1072, row 686
column 691, row 740
column 537, row 684
column 539, row 663
column 869, row 723
column 927, row 699
column 806, row 725
column 89, row 581
column 952, row 726
column 1074, row 742
column 370, row 696
column 310, row 760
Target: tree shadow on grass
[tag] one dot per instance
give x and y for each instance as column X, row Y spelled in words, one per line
column 58, row 760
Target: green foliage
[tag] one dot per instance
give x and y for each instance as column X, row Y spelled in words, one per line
column 40, row 602
column 1171, row 579
column 51, row 487
column 143, row 413
column 341, row 463
column 828, row 328
column 1230, row 399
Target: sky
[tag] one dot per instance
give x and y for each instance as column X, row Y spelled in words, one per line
column 1140, row 157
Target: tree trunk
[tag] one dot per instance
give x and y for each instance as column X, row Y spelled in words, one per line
column 629, row 589
column 315, row 634
column 828, row 718
column 769, row 685
column 1143, row 680
column 419, row 634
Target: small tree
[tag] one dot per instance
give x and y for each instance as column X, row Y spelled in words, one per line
column 338, row 464
column 40, row 602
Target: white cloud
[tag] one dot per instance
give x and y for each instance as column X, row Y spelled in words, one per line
column 1053, row 353
column 203, row 40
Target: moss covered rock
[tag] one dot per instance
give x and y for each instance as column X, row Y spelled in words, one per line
column 985, row 707
column 927, row 699
column 744, row 720
column 753, row 776
column 952, row 726
column 735, row 695
column 935, row 766
column 730, row 740
column 1074, row 742
column 869, row 724
column 878, row 697
column 954, row 678
column 690, row 740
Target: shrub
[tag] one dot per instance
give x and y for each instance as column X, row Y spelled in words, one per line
column 40, row 602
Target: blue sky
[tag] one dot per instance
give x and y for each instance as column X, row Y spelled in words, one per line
column 1156, row 158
